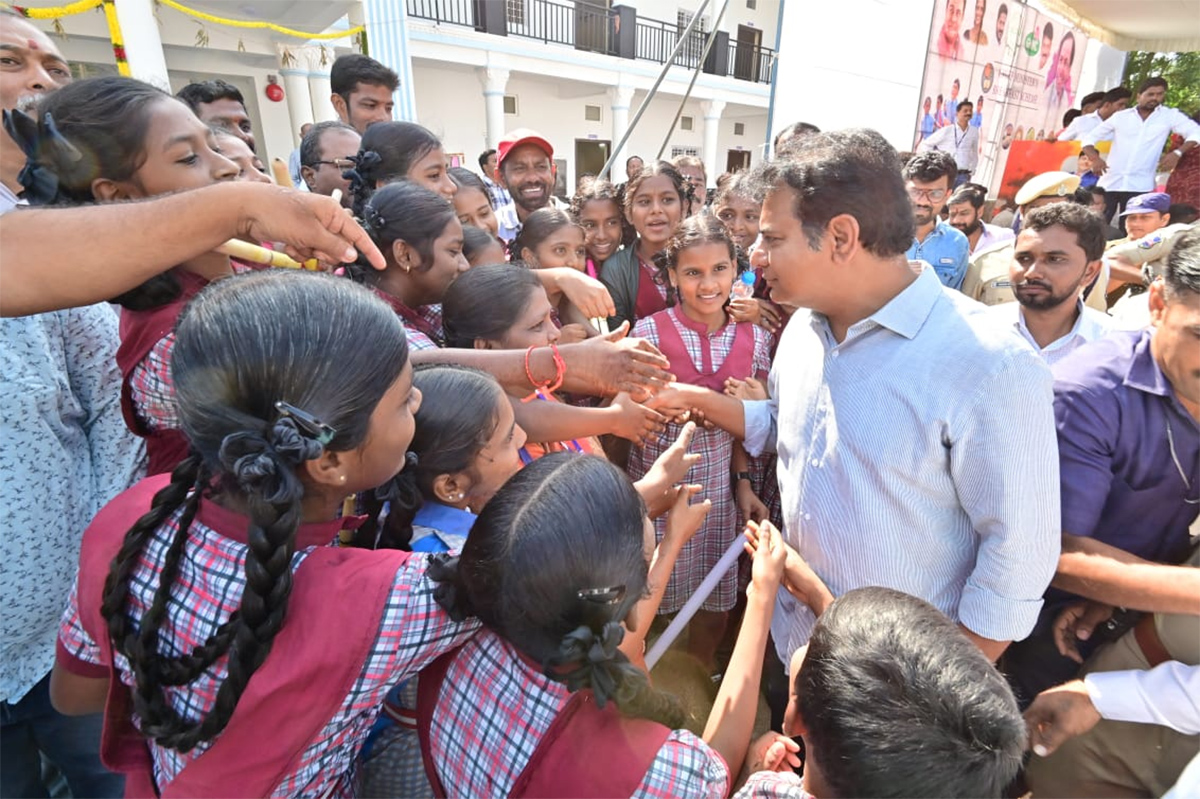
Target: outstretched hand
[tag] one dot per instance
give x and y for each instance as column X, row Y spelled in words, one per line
column 308, row 225
column 1058, row 714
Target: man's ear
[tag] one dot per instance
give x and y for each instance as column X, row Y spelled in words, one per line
column 307, row 173
column 842, row 233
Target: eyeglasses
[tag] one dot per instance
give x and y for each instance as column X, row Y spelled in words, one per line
column 928, row 194
column 340, row 163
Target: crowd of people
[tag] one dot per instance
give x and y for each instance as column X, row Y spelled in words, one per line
column 406, row 527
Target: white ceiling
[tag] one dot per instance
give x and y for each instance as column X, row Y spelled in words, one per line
column 1160, row 25
column 307, row 15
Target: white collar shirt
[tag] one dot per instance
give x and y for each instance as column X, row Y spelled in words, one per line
column 991, row 236
column 1089, row 325
column 1137, row 145
column 962, row 144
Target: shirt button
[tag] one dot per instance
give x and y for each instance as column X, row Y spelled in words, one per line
column 836, row 353
column 814, row 462
column 807, row 517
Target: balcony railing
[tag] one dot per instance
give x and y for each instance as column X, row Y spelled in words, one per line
column 596, row 28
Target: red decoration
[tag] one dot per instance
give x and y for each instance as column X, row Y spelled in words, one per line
column 274, row 92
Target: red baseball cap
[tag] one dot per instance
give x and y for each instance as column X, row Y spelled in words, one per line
column 516, row 138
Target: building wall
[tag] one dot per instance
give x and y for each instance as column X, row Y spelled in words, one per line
column 764, row 17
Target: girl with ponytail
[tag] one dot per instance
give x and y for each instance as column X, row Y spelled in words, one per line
column 394, row 151
column 111, row 139
column 210, row 612
column 557, row 569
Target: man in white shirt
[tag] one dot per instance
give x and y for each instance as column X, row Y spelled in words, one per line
column 1114, row 100
column 965, row 214
column 1137, row 136
column 960, row 140
column 1057, row 254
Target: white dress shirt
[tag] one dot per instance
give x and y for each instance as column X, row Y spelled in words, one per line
column 1079, row 126
column 991, row 236
column 1137, row 145
column 1089, row 326
column 962, row 144
column 1168, row 694
column 900, row 464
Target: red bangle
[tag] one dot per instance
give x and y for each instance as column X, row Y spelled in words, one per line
column 549, row 386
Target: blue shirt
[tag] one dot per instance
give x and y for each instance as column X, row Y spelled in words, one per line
column 944, row 493
column 1120, row 483
column 946, row 250
column 440, row 528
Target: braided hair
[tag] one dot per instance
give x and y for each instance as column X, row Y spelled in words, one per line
column 403, row 211
column 245, row 347
column 553, row 565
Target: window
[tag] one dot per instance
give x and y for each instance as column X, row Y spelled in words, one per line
column 678, row 151
column 591, row 113
column 687, row 123
column 739, row 128
column 752, row 4
column 690, row 55
column 510, row 105
column 514, row 11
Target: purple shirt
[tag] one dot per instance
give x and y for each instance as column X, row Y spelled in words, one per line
column 1120, row 485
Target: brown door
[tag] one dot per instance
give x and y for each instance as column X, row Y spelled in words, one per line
column 749, row 50
column 737, row 161
column 592, row 24
column 590, row 157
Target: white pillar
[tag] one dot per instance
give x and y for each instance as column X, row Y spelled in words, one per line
column 143, row 45
column 387, row 36
column 319, row 93
column 494, row 79
column 712, row 123
column 620, row 98
column 299, row 98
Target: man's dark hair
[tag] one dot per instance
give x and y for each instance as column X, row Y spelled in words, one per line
column 631, row 159
column 1048, row 31
column 1097, row 191
column 1150, row 83
column 354, row 68
column 1071, row 115
column 844, row 172
column 967, row 103
column 1117, row 94
column 1085, row 223
column 930, row 166
column 968, row 193
column 209, row 91
column 880, row 661
column 483, row 159
column 1182, row 272
column 1094, row 97
column 786, row 139
column 310, row 145
column 1183, row 214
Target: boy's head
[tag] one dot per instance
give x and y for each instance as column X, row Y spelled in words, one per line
column 893, row 700
column 362, row 90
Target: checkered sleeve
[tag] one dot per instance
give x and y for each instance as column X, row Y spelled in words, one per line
column 773, row 785
column 763, row 341
column 152, row 388
column 417, row 340
column 685, row 766
column 76, row 651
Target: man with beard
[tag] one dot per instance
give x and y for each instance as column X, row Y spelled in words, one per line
column 1057, row 254
column 928, row 177
column 966, row 215
column 525, row 167
column 1138, row 135
column 220, row 105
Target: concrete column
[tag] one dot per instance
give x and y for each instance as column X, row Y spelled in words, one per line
column 712, row 122
column 143, row 45
column 299, row 98
column 494, row 79
column 387, row 39
column 319, row 92
column 620, row 98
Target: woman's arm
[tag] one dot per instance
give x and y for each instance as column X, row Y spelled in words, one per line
column 76, row 695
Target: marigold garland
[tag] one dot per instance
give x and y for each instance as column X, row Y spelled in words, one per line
column 118, row 39
column 68, row 10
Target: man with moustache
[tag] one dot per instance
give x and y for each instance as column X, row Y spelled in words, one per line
column 959, row 139
column 928, row 178
column 1057, row 254
column 949, row 43
column 325, row 156
column 966, row 216
column 1138, row 135
column 525, row 167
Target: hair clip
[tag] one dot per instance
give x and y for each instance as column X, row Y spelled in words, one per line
column 603, row 596
column 321, row 432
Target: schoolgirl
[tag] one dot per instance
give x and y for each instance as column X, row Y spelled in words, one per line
column 210, row 614
column 504, row 307
column 738, row 209
column 392, row 151
column 472, row 201
column 422, row 242
column 234, row 147
column 705, row 347
column 654, row 205
column 481, row 247
column 596, row 207
column 550, row 237
column 544, row 702
column 113, row 138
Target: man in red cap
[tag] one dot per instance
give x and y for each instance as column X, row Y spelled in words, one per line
column 524, row 166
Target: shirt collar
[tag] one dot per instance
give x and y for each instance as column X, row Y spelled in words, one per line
column 444, row 518
column 236, row 527
column 1070, row 335
column 1144, row 373
column 699, row 328
column 905, row 313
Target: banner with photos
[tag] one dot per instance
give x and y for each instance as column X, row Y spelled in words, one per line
column 1019, row 66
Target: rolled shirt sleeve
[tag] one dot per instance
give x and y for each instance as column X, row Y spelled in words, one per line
column 1004, row 463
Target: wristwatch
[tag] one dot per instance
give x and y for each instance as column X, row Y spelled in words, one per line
column 739, row 476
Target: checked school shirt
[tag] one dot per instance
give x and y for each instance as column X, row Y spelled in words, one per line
column 494, row 708
column 413, row 631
